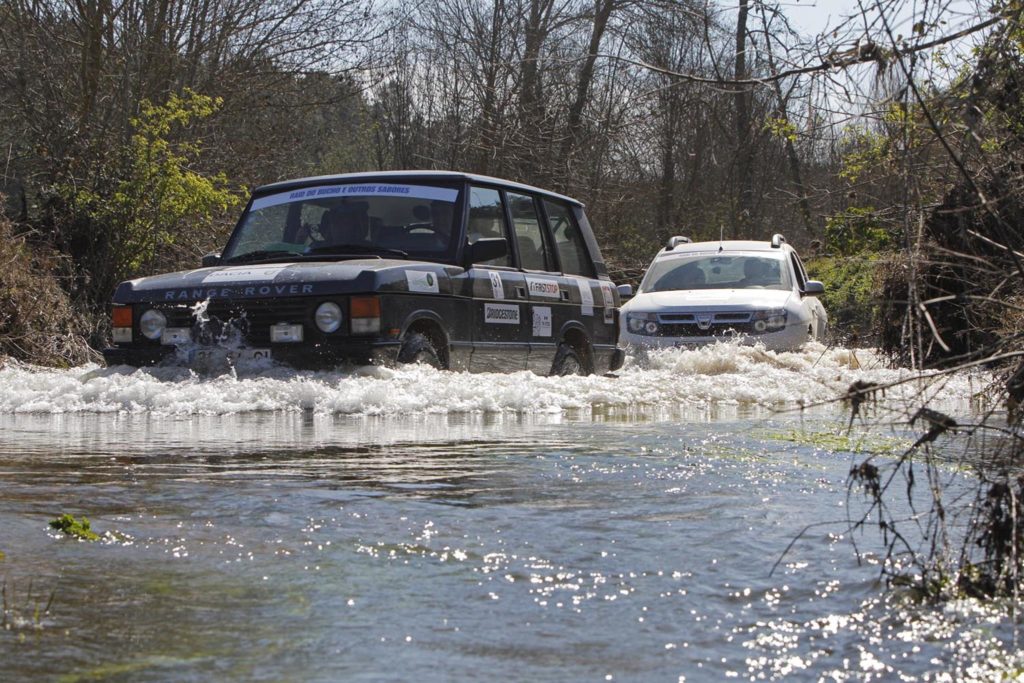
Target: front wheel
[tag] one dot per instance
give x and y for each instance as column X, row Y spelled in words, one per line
column 567, row 362
column 417, row 348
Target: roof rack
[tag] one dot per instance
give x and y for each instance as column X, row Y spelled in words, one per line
column 777, row 240
column 677, row 240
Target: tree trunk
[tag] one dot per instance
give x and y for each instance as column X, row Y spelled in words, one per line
column 531, row 117
column 744, row 155
column 602, row 12
column 489, row 132
column 782, row 112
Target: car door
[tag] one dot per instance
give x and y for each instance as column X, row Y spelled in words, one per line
column 548, row 290
column 501, row 322
column 814, row 309
column 592, row 301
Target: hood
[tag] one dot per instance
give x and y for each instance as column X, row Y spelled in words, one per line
column 287, row 279
column 709, row 299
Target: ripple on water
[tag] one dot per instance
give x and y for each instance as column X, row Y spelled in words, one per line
column 722, row 374
column 888, row 638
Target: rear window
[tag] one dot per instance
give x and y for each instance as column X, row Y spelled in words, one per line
column 533, row 252
column 572, row 250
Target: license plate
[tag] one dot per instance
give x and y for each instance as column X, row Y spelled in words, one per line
column 220, row 357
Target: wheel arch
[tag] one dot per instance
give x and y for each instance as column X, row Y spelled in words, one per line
column 432, row 326
column 575, row 335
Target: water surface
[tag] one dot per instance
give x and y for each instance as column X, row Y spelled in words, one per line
column 387, row 525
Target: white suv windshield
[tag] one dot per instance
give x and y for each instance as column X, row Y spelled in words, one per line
column 717, row 271
column 372, row 218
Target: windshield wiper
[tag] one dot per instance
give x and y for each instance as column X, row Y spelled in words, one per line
column 342, row 249
column 261, row 254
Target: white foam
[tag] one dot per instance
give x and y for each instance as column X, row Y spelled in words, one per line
column 723, row 374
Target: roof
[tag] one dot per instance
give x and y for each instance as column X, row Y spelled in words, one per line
column 416, row 176
column 724, row 246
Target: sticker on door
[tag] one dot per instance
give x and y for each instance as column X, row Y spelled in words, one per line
column 541, row 321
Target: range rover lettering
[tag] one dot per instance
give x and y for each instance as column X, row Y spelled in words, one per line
column 455, row 270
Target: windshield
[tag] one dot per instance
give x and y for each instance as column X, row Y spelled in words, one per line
column 345, row 219
column 717, row 271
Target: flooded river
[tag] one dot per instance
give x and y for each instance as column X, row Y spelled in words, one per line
column 380, row 525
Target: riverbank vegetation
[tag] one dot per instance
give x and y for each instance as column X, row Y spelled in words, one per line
column 887, row 146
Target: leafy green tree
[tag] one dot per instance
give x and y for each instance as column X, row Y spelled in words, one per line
column 160, row 206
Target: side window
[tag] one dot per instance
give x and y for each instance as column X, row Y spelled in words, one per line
column 487, row 219
column 572, row 250
column 798, row 269
column 533, row 253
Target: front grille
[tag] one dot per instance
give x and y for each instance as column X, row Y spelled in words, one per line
column 719, row 324
column 714, row 330
column 247, row 320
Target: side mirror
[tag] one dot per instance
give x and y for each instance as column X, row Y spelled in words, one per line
column 211, row 259
column 487, row 249
column 813, row 288
column 625, row 292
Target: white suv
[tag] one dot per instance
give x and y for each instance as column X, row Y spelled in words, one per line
column 698, row 293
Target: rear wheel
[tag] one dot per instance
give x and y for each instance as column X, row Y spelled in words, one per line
column 567, row 362
column 417, row 348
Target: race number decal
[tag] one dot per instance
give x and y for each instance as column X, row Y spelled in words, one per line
column 497, row 288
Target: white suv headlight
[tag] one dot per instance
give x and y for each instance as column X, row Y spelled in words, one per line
column 770, row 320
column 642, row 323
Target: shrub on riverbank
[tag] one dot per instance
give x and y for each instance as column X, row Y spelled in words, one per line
column 852, row 294
column 38, row 321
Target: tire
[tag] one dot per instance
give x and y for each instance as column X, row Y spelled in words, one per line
column 417, row 348
column 567, row 362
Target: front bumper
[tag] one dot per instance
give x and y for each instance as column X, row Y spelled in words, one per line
column 300, row 356
column 789, row 338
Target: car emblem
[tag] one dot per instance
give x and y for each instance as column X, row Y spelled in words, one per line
column 704, row 320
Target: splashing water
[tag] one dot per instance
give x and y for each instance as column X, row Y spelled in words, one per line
column 719, row 375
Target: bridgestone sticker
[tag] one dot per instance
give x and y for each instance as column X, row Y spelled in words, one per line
column 504, row 314
column 609, row 303
column 541, row 321
column 542, row 287
column 586, row 297
column 245, row 274
column 497, row 288
column 420, row 281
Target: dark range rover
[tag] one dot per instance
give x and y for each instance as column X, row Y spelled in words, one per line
column 456, row 270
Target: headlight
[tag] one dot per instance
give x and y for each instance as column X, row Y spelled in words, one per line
column 152, row 323
column 770, row 320
column 642, row 323
column 328, row 317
